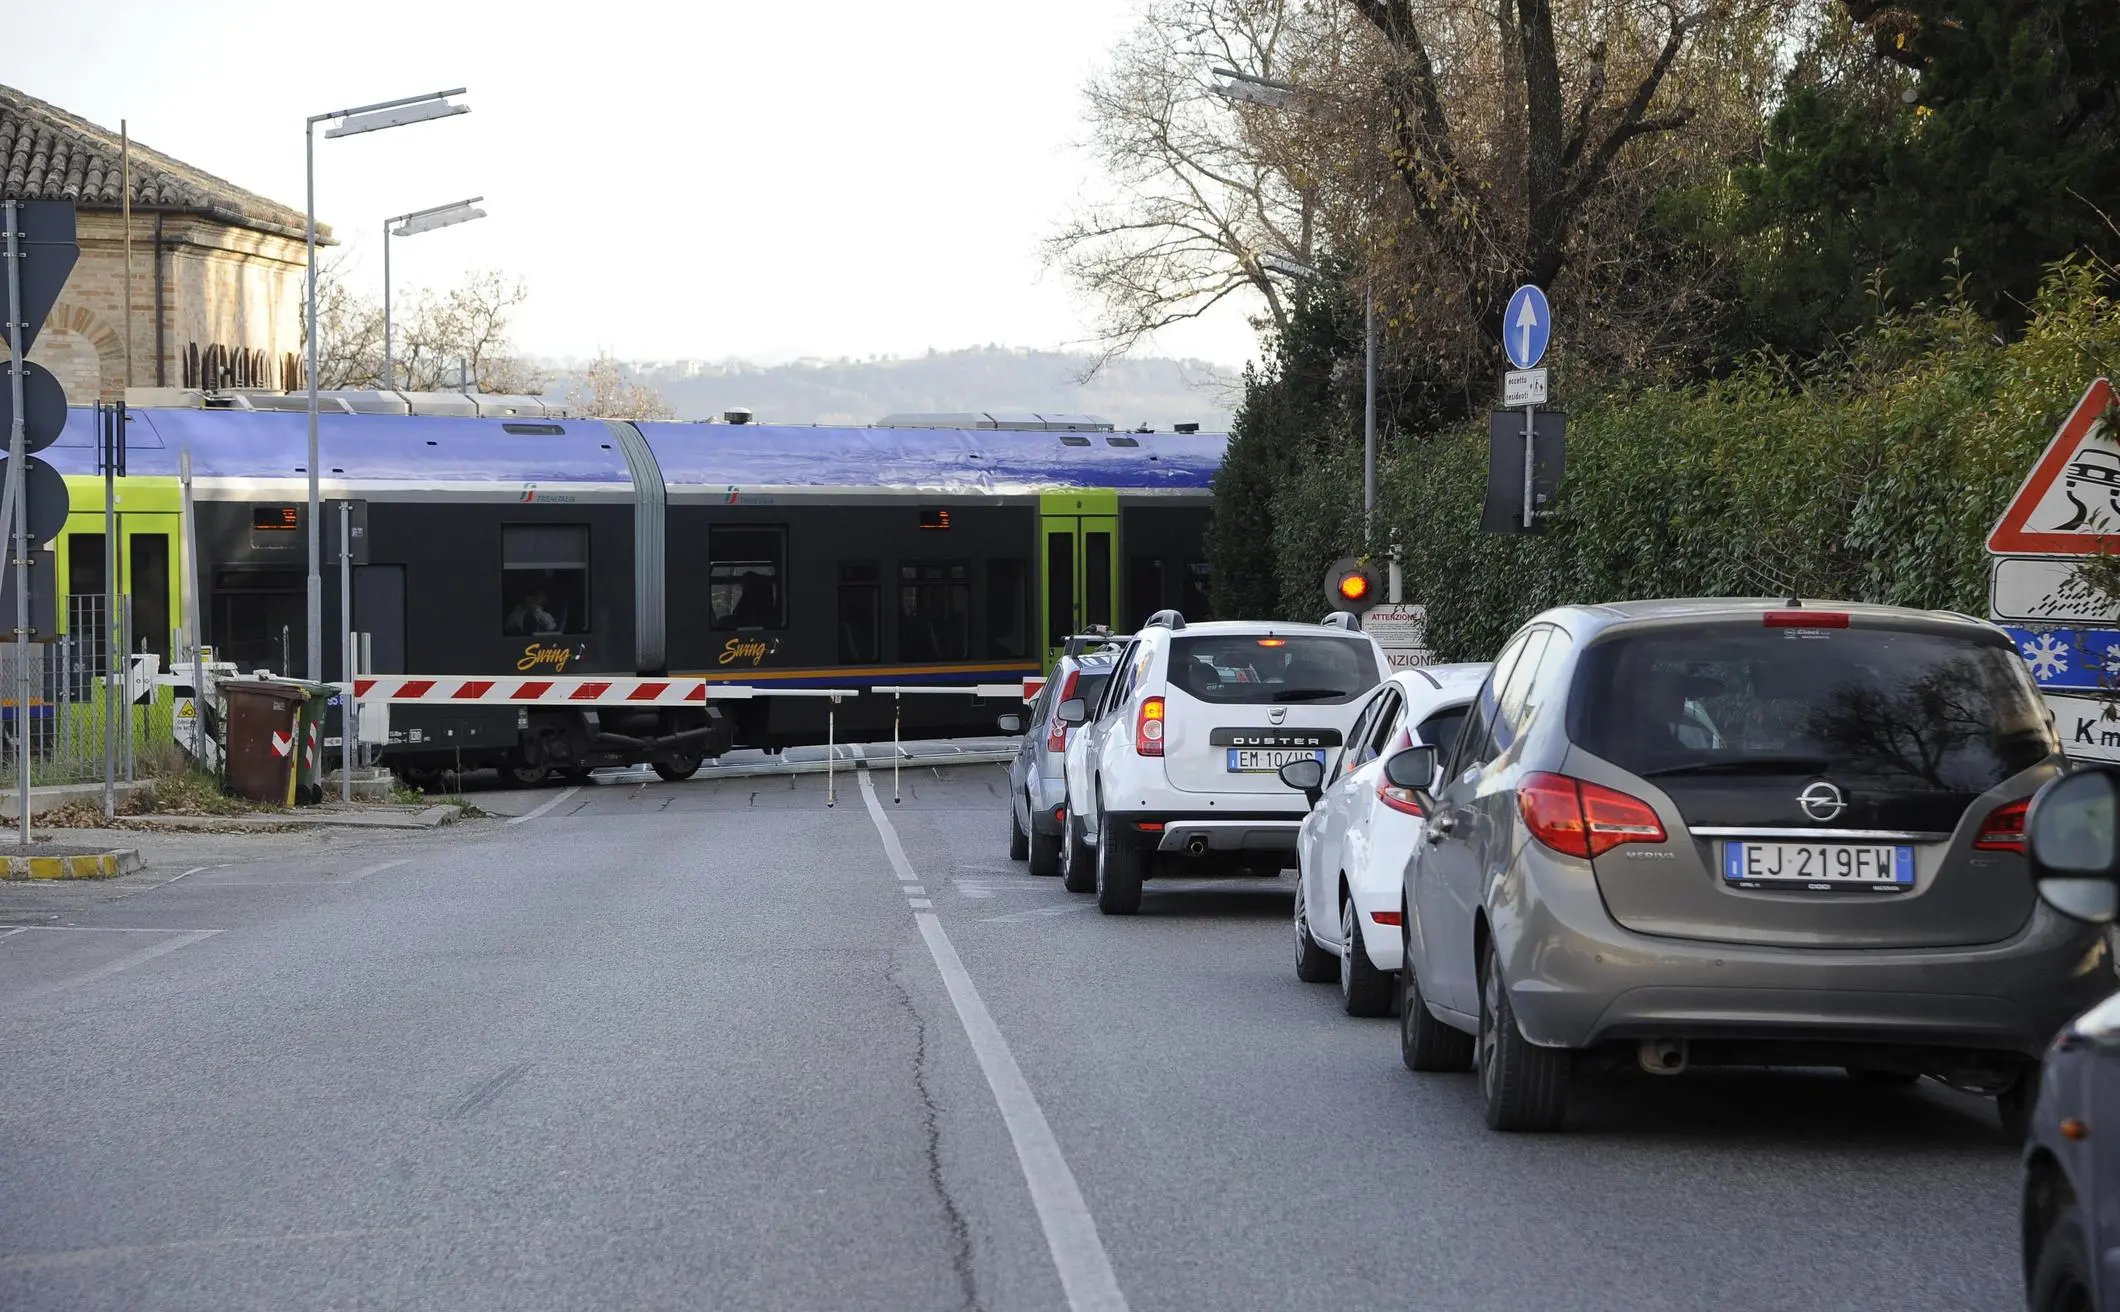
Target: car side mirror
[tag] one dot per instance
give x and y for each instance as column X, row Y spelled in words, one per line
column 1010, row 723
column 1074, row 711
column 2072, row 836
column 1412, row 768
column 1306, row 776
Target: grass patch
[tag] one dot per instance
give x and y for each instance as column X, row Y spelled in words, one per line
column 465, row 810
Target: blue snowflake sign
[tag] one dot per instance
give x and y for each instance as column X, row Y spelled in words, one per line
column 2070, row 658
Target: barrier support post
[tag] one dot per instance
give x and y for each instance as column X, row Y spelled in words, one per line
column 831, row 750
column 897, row 752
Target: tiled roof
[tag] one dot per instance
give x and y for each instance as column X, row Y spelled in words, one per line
column 48, row 154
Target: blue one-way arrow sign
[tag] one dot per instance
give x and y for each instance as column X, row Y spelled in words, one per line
column 1526, row 327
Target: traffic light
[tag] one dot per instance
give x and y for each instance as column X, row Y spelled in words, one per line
column 1352, row 586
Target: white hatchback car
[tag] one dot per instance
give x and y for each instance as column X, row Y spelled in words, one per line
column 1180, row 754
column 1352, row 850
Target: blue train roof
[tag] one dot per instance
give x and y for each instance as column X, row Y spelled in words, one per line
column 431, row 450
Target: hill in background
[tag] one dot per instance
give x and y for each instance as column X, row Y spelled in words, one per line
column 1128, row 392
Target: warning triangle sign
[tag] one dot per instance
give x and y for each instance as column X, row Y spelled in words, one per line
column 2070, row 502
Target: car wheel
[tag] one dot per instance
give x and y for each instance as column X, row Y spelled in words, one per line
column 2061, row 1282
column 1019, row 843
column 1364, row 990
column 1883, row 1078
column 1314, row 965
column 1044, row 854
column 1425, row 1043
column 1078, row 864
column 2014, row 1105
column 1524, row 1086
column 1118, row 871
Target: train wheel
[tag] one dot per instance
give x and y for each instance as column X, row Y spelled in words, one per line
column 526, row 776
column 680, row 768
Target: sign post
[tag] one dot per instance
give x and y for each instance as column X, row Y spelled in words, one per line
column 1527, row 326
column 2066, row 510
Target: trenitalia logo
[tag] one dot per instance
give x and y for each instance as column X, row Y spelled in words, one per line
column 532, row 496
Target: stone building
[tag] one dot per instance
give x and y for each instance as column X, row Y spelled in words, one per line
column 217, row 271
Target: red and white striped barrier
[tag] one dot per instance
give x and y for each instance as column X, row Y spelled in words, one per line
column 456, row 690
column 628, row 690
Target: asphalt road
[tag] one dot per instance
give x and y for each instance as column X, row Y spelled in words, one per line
column 710, row 1045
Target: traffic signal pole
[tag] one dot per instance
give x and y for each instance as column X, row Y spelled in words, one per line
column 15, row 515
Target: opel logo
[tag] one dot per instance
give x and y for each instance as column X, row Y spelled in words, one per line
column 1822, row 801
column 1277, row 714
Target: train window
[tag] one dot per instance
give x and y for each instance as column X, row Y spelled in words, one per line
column 745, row 566
column 1008, row 605
column 1144, row 589
column 544, row 579
column 860, row 613
column 1059, row 587
column 1097, row 578
column 934, row 610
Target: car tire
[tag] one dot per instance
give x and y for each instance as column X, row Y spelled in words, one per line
column 1364, row 990
column 1883, row 1079
column 1044, row 854
column 1019, row 843
column 1524, row 1087
column 2061, row 1282
column 1425, row 1043
column 1078, row 861
column 2014, row 1105
column 1118, row 871
column 1314, row 965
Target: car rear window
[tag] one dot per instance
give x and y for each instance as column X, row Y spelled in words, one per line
column 1251, row 670
column 1898, row 707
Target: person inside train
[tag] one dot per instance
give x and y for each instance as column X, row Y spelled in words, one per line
column 530, row 616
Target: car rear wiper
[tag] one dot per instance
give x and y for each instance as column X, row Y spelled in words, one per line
column 1743, row 765
column 1307, row 694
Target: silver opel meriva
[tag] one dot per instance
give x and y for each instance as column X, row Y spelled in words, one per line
column 1745, row 833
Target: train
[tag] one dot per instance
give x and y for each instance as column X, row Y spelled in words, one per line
column 953, row 550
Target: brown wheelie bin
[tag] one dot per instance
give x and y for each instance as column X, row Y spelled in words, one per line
column 264, row 738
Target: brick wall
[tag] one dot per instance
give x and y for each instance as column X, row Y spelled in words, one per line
column 221, row 286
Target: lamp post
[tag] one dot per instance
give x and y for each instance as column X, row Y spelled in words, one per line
column 362, row 118
column 419, row 221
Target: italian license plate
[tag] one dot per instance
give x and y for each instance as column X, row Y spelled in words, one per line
column 1819, row 867
column 1255, row 760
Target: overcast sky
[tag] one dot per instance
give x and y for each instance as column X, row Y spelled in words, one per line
column 708, row 179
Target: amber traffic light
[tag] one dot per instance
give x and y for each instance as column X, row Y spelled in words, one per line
column 1352, row 586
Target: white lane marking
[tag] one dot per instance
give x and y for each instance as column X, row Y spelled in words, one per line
column 126, row 962
column 563, row 796
column 98, row 929
column 920, row 904
column 1037, row 913
column 9, row 933
column 375, row 869
column 915, row 890
column 1086, row 1275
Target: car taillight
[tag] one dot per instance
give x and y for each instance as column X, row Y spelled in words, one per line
column 2003, row 830
column 1056, row 737
column 1577, row 818
column 1148, row 728
column 1403, row 800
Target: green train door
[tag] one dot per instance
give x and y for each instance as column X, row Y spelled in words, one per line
column 1081, row 555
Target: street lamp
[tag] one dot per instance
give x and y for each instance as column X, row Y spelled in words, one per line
column 419, row 221
column 362, row 118
column 1253, row 90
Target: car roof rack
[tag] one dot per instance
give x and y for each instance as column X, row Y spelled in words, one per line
column 1343, row 619
column 1165, row 619
column 1088, row 640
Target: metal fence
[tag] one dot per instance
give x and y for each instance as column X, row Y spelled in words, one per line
column 92, row 716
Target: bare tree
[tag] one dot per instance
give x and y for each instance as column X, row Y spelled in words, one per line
column 438, row 343
column 1192, row 206
column 605, row 392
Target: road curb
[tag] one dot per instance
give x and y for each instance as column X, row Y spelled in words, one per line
column 98, row 865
